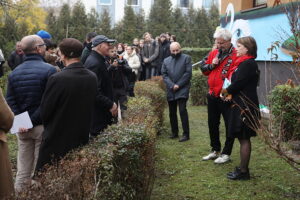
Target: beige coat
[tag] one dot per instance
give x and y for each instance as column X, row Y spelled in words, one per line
column 133, row 62
column 6, row 118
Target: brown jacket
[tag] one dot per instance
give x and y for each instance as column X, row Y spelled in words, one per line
column 6, row 118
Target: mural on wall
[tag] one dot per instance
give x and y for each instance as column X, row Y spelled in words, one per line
column 265, row 25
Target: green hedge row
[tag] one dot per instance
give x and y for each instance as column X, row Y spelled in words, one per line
column 199, row 89
column 116, row 165
column 285, row 108
column 3, row 82
column 197, row 54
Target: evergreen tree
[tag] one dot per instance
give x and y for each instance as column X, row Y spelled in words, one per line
column 93, row 21
column 178, row 25
column 203, row 27
column 78, row 27
column 140, row 24
column 63, row 22
column 52, row 24
column 160, row 17
column 129, row 24
column 191, row 31
column 214, row 18
column 104, row 27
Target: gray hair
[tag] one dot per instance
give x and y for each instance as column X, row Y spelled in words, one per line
column 223, row 33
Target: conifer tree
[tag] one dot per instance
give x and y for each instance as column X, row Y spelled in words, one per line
column 78, row 27
column 105, row 24
column 63, row 22
column 159, row 20
column 178, row 25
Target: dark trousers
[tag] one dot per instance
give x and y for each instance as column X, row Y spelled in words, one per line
column 120, row 96
column 215, row 108
column 183, row 116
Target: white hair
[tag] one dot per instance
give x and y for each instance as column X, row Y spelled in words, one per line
column 223, row 33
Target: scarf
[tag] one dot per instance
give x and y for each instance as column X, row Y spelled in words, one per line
column 236, row 64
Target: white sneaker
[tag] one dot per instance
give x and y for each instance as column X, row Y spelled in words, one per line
column 210, row 156
column 222, row 159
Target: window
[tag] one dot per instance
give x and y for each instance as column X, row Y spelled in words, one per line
column 105, row 2
column 184, row 3
column 133, row 2
column 207, row 4
column 259, row 2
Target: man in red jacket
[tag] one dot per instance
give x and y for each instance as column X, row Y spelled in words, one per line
column 216, row 67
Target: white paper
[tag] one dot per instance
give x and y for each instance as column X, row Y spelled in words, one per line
column 226, row 83
column 21, row 121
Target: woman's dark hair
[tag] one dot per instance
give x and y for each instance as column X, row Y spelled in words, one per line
column 49, row 44
column 122, row 45
column 173, row 37
column 71, row 48
column 90, row 36
column 250, row 44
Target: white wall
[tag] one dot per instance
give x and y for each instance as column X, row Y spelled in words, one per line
column 119, row 10
column 146, row 6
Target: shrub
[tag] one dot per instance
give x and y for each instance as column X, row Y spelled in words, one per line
column 199, row 89
column 285, row 108
column 153, row 90
column 3, row 83
column 197, row 54
column 117, row 165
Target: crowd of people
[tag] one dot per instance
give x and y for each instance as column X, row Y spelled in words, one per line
column 74, row 91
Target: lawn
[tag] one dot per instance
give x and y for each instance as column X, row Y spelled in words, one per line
column 181, row 175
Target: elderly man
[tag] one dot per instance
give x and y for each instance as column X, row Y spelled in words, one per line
column 177, row 73
column 16, row 57
column 105, row 108
column 216, row 67
column 26, row 85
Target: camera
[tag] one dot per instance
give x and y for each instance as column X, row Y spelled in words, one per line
column 120, row 61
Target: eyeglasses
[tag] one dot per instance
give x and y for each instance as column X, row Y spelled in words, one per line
column 40, row 45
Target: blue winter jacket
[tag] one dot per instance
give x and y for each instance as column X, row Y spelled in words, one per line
column 26, row 85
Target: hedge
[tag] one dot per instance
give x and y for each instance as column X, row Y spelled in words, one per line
column 116, row 165
column 285, row 108
column 199, row 89
column 197, row 54
column 3, row 83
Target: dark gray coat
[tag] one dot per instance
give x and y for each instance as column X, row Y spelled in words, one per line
column 177, row 71
column 151, row 51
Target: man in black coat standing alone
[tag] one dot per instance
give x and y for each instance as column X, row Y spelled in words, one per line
column 177, row 73
column 67, row 105
column 105, row 108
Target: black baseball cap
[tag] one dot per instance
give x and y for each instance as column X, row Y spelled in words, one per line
column 101, row 38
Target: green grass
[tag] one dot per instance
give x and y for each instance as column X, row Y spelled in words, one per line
column 181, row 175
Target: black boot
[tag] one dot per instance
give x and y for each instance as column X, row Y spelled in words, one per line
column 173, row 136
column 239, row 175
column 184, row 138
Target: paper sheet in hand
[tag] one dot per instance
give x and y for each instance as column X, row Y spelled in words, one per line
column 226, row 83
column 21, row 121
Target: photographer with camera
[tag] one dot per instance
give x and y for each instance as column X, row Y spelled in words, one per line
column 119, row 72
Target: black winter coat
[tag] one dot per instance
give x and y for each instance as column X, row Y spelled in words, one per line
column 104, row 99
column 122, row 73
column 177, row 71
column 66, row 110
column 26, row 85
column 244, row 113
column 15, row 59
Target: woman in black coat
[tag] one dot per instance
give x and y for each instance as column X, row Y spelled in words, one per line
column 67, row 106
column 244, row 113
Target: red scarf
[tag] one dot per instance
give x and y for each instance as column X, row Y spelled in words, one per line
column 236, row 64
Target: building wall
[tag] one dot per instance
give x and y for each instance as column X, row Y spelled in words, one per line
column 246, row 4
